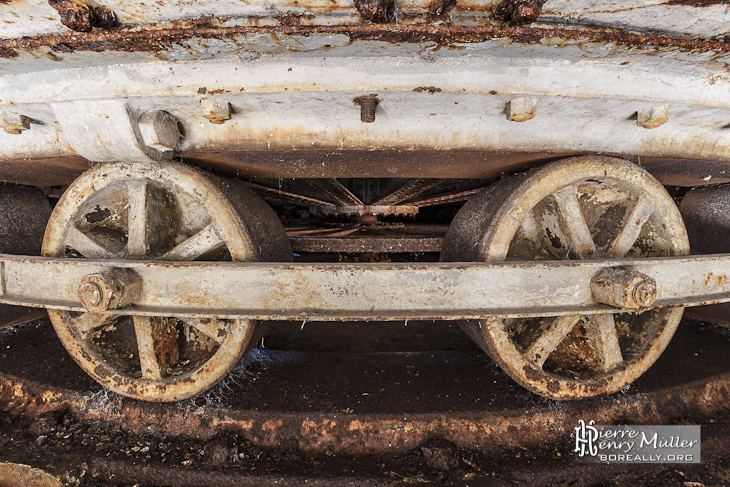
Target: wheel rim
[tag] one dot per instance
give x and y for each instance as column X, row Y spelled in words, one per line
column 158, row 212
column 578, row 208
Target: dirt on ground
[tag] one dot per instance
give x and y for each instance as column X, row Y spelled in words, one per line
column 83, row 453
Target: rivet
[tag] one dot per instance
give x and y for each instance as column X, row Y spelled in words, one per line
column 521, row 109
column 652, row 117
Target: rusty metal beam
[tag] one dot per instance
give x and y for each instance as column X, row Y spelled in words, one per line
column 328, row 243
column 336, row 292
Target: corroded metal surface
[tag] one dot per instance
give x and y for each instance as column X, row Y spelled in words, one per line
column 379, row 403
column 582, row 208
column 163, row 212
column 403, row 243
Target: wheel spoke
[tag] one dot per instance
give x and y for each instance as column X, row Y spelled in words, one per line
column 631, row 227
column 84, row 245
column 199, row 244
column 554, row 330
column 409, row 190
column 574, row 223
column 602, row 333
column 137, row 217
column 88, row 322
column 157, row 345
column 334, row 189
column 212, row 328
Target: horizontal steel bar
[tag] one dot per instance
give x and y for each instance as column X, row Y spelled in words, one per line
column 334, row 292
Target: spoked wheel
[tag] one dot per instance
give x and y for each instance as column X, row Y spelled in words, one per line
column 159, row 212
column 578, row 208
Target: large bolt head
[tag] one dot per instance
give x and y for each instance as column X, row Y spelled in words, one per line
column 109, row 290
column 159, row 130
column 624, row 288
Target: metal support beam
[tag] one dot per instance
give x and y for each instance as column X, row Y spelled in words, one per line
column 333, row 292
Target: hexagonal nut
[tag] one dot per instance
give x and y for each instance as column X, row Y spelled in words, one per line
column 521, row 109
column 14, row 123
column 109, row 290
column 624, row 288
column 159, row 130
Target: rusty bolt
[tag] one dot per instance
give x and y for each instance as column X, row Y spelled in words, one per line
column 624, row 288
column 652, row 117
column 368, row 104
column 644, row 293
column 376, row 11
column 82, row 16
column 110, row 289
column 14, row 123
column 521, row 109
column 518, row 11
column 159, row 130
column 90, row 294
column 217, row 111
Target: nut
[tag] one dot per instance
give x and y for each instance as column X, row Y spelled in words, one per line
column 109, row 290
column 159, row 130
column 624, row 288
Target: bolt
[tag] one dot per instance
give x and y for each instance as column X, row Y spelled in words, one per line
column 644, row 293
column 90, row 294
column 521, row 109
column 109, row 290
column 14, row 123
column 376, row 11
column 518, row 11
column 159, row 130
column 652, row 117
column 368, row 104
column 80, row 16
column 623, row 288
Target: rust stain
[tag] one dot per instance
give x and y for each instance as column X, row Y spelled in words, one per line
column 154, row 40
column 290, row 18
column 698, row 3
column 82, row 17
column 427, row 89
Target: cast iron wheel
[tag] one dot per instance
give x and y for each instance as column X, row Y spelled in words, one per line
column 159, row 212
column 579, row 208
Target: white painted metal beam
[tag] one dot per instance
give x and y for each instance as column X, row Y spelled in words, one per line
column 363, row 291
